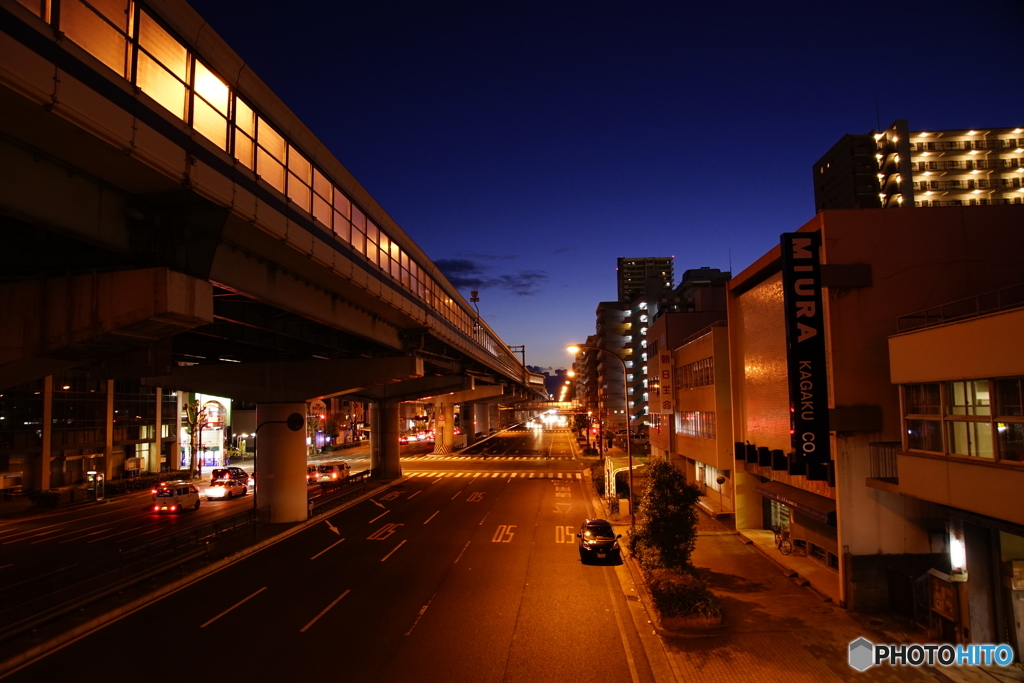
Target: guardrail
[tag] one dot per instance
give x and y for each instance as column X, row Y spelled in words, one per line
column 332, row 494
column 971, row 307
column 28, row 604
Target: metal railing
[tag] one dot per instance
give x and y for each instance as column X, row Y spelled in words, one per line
column 332, row 494
column 971, row 307
column 883, row 461
column 35, row 601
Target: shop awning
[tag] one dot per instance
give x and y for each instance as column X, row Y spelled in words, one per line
column 814, row 506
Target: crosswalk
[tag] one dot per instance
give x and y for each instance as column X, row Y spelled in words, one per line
column 496, row 475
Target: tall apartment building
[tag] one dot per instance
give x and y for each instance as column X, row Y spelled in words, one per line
column 898, row 167
column 604, row 374
column 632, row 275
column 701, row 290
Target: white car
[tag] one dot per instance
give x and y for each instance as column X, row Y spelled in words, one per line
column 226, row 488
column 175, row 496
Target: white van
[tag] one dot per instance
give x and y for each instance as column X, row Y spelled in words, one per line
column 332, row 471
column 175, row 496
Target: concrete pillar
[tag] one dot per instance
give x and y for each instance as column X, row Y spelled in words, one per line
column 174, row 449
column 42, row 482
column 494, row 416
column 385, row 428
column 281, row 461
column 108, row 446
column 481, row 420
column 444, row 429
column 153, row 461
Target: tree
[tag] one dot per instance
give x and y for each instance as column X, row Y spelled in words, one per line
column 666, row 533
column 335, row 423
column 195, row 421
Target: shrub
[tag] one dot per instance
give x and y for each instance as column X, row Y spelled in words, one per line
column 590, row 451
column 682, row 594
column 667, row 533
column 597, row 475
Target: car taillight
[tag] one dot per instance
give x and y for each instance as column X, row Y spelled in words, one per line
column 153, row 491
column 156, row 508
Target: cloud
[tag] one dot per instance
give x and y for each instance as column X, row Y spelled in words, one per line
column 488, row 257
column 467, row 274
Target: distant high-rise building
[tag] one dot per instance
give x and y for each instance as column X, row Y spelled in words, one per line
column 633, row 274
column 902, row 168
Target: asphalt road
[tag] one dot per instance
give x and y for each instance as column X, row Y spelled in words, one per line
column 465, row 571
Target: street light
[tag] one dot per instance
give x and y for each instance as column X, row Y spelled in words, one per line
column 575, row 348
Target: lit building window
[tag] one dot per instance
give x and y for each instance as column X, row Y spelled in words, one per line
column 162, row 67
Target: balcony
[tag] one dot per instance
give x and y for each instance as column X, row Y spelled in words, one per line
column 883, row 473
column 972, row 307
column 970, row 484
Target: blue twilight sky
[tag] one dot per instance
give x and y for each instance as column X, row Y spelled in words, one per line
column 524, row 146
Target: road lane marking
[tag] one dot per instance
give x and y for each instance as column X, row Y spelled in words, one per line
column 565, row 534
column 462, row 553
column 6, row 566
column 420, row 615
column 414, row 495
column 39, row 576
column 393, row 551
column 238, row 604
column 622, row 629
column 78, row 538
column 475, row 497
column 432, row 516
column 383, row 532
column 496, row 474
column 28, row 537
column 317, row 617
column 457, row 494
column 325, row 550
column 503, row 534
column 378, row 516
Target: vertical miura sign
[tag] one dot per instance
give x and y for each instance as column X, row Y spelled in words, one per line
column 805, row 346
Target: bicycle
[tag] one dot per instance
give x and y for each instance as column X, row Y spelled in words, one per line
column 782, row 541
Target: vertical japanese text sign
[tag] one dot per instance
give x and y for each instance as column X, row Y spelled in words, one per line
column 666, row 391
column 805, row 346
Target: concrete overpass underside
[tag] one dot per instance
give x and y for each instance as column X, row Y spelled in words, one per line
column 136, row 248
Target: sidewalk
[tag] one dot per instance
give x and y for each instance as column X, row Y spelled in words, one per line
column 775, row 628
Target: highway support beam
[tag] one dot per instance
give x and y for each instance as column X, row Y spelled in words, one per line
column 58, row 323
column 292, row 381
column 444, row 437
column 385, row 417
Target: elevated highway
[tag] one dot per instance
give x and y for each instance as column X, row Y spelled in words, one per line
column 165, row 216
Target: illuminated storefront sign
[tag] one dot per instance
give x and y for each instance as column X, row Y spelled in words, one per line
column 805, row 347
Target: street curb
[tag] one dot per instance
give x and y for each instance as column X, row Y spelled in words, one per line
column 35, row 652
